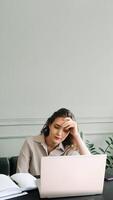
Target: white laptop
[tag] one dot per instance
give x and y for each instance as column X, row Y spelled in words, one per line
column 63, row 176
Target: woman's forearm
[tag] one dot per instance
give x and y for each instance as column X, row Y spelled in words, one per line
column 82, row 148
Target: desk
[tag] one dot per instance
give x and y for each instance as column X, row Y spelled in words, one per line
column 107, row 195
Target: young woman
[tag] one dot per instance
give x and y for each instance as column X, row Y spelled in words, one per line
column 58, row 137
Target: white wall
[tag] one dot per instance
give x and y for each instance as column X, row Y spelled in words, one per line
column 54, row 54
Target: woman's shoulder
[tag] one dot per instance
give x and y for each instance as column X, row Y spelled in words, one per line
column 36, row 138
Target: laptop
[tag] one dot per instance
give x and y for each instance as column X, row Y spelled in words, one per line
column 77, row 175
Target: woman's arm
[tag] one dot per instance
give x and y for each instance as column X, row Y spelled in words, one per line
column 76, row 138
column 81, row 146
column 23, row 159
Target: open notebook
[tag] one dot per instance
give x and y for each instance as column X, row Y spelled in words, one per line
column 63, row 176
column 16, row 185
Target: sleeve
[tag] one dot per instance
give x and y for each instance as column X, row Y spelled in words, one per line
column 23, row 161
column 71, row 150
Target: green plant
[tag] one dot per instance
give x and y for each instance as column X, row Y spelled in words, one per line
column 108, row 150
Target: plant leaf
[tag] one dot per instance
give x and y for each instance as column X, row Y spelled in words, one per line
column 110, row 139
column 107, row 142
column 101, row 150
column 108, row 152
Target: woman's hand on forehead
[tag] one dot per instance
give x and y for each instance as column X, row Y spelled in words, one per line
column 70, row 124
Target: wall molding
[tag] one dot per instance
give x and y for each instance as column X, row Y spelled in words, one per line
column 41, row 121
column 13, row 131
column 22, row 121
column 19, row 128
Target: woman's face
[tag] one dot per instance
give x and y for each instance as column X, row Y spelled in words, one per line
column 57, row 133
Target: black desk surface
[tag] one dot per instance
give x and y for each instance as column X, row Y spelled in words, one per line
column 107, row 195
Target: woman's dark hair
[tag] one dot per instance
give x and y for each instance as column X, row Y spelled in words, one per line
column 62, row 112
